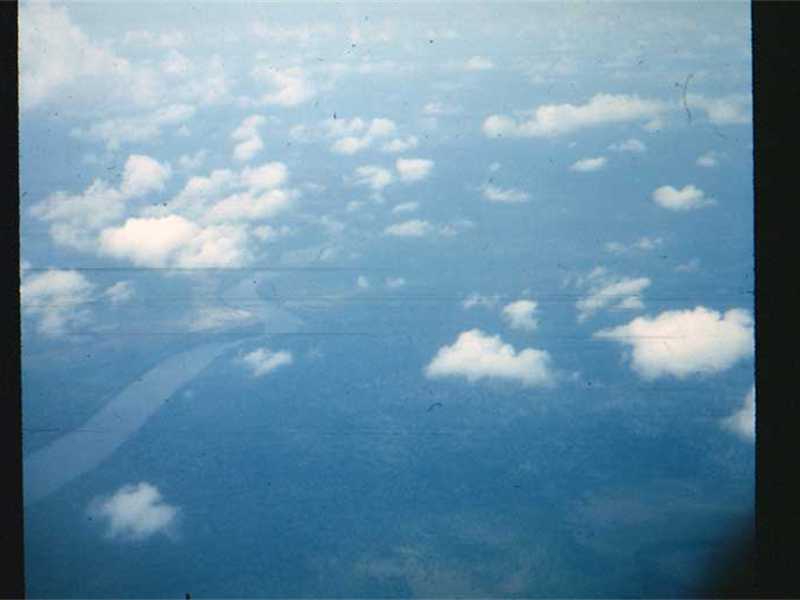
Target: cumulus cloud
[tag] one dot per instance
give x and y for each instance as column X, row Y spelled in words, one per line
column 478, row 63
column 681, row 343
column 508, row 196
column 413, row 169
column 620, row 293
column 76, row 219
column 395, row 282
column 356, row 134
column 552, row 120
column 743, row 421
column 412, row 228
column 136, row 128
column 57, row 299
column 476, row 299
column 263, row 360
column 120, row 292
column 687, row 198
column 629, row 145
column 400, row 144
column 248, row 138
column 476, row 355
column 405, row 207
column 135, row 512
column 519, row 315
column 587, row 165
column 376, row 178
column 192, row 162
column 644, row 244
column 287, row 87
column 362, row 282
column 707, row 160
column 727, row 110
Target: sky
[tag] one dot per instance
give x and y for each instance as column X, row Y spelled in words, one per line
column 344, row 299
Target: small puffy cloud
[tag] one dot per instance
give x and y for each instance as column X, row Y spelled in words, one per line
column 644, row 244
column 58, row 300
column 143, row 175
column 587, row 165
column 479, row 63
column 167, row 39
column 681, row 343
column 689, row 267
column 400, row 144
column 620, row 293
column 476, row 355
column 412, row 228
column 494, row 193
column 395, row 282
column 350, row 145
column 707, row 160
column 120, row 292
column 376, row 178
column 288, row 87
column 263, row 360
column 727, row 110
column 135, row 512
column 174, row 241
column 413, row 169
column 135, row 129
column 405, row 207
column 519, row 315
column 494, row 167
column 629, row 145
column 267, row 176
column 476, row 299
column 552, row 120
column 248, row 138
column 268, row 233
column 743, row 421
column 439, row 109
column 192, row 162
column 362, row 282
column 687, row 198
column 356, row 134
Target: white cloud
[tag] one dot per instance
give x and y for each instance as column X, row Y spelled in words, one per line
column 476, row 299
column 288, row 87
column 166, row 39
column 267, row 233
column 373, row 177
column 687, row 198
column 405, row 207
column 250, row 142
column 621, row 293
column 400, row 144
column 519, row 315
column 76, row 219
column 707, row 160
column 173, row 241
column 120, row 292
column 743, row 421
column 476, row 355
column 135, row 129
column 494, row 167
column 587, row 165
column 728, row 110
column 143, row 175
column 135, row 512
column 551, row 120
column 58, row 300
column 478, row 63
column 413, row 169
column 362, row 282
column 629, row 145
column 689, row 267
column 681, row 343
column 412, row 228
column 644, row 244
column 509, row 196
column 395, row 282
column 267, row 176
column 439, row 109
column 356, row 134
column 192, row 162
column 263, row 360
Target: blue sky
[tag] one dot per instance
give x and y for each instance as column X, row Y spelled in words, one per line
column 347, row 299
